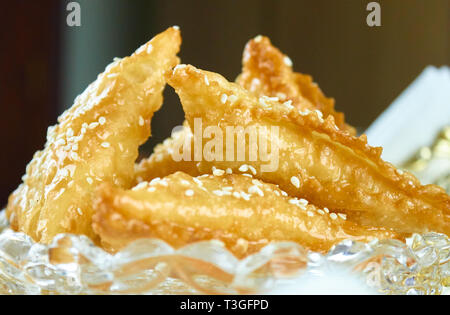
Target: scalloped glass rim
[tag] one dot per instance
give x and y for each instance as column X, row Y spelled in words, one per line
column 72, row 264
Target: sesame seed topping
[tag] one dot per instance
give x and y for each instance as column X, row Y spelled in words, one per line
column 326, row 210
column 333, row 216
column 79, row 211
column 74, row 156
column 243, row 168
column 310, row 214
column 342, row 216
column 89, row 180
column 93, row 125
column 252, row 169
column 229, row 171
column 224, row 98
column 218, row 193
column 206, row 80
column 247, row 175
column 102, row 120
column 149, row 48
column 295, row 181
column 141, row 121
column 189, row 192
column 233, row 98
column 176, row 27
column 303, row 202
column 256, row 189
column 105, row 144
column 236, row 194
column 69, row 132
column 154, row 181
column 321, row 212
column 218, row 172
column 258, row 38
column 151, row 189
column 287, row 61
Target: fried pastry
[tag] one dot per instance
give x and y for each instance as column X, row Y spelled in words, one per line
column 95, row 141
column 162, row 163
column 242, row 212
column 267, row 71
column 314, row 158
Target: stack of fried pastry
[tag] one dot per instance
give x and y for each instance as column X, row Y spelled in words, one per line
column 329, row 184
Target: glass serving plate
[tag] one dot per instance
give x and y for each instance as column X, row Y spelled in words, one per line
column 72, row 264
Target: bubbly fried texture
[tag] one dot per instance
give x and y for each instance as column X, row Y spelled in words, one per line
column 95, row 141
column 267, row 71
column 242, row 212
column 161, row 163
column 316, row 160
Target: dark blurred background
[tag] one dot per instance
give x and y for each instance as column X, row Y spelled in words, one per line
column 45, row 63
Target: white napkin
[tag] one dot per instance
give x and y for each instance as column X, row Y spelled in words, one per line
column 415, row 118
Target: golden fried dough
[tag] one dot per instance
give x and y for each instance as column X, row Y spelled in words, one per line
column 267, row 71
column 95, row 141
column 161, row 163
column 242, row 212
column 315, row 159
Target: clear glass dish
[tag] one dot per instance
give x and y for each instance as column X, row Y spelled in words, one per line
column 72, row 264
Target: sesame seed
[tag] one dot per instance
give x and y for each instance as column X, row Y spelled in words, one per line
column 105, row 144
column 342, row 216
column 189, row 192
column 141, row 121
column 89, row 180
column 321, row 212
column 258, row 38
column 224, row 98
column 243, row 168
column 154, row 181
column 256, row 189
column 149, row 48
column 236, row 194
column 310, row 214
column 79, row 211
column 283, row 193
column 333, row 216
column 163, row 182
column 293, row 201
column 233, row 98
column 74, row 156
column 176, row 27
column 102, row 120
column 287, row 61
column 151, row 189
column 326, row 210
column 218, row 193
column 218, row 172
column 256, row 182
column 319, row 114
column 93, row 125
column 245, row 196
column 252, row 169
column 229, row 171
column 303, row 202
column 184, row 182
column 198, row 181
column 295, row 181
column 262, row 101
column 206, row 80
column 248, row 175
